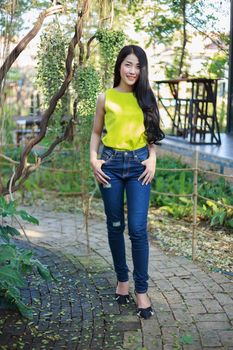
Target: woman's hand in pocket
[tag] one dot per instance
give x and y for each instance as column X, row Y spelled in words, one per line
column 100, row 176
column 149, row 172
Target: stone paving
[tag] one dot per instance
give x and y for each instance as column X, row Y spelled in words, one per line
column 193, row 308
column 75, row 312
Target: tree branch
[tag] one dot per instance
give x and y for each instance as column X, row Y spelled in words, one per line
column 33, row 167
column 12, row 161
column 183, row 4
column 24, row 42
column 58, row 140
column 89, row 46
column 22, row 170
column 216, row 42
column 81, row 53
column 25, row 174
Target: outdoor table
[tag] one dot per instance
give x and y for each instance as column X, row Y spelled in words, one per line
column 192, row 108
column 26, row 127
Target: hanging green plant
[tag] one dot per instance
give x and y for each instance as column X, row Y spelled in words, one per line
column 87, row 85
column 111, row 41
column 51, row 56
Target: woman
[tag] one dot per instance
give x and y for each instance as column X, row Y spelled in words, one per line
column 130, row 115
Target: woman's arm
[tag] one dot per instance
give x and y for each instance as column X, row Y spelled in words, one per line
column 97, row 127
column 95, row 141
column 152, row 151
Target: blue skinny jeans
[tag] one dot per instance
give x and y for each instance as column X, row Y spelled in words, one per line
column 124, row 169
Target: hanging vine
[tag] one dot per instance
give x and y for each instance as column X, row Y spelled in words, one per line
column 111, row 41
column 51, row 56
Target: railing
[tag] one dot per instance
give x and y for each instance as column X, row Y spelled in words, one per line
column 194, row 196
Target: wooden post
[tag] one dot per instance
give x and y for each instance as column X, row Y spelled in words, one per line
column 195, row 194
column 230, row 81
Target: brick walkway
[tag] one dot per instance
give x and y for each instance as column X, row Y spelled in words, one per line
column 194, row 309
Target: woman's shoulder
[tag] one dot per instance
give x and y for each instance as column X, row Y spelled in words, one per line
column 109, row 91
column 103, row 96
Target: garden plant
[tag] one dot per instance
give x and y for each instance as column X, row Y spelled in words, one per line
column 16, row 263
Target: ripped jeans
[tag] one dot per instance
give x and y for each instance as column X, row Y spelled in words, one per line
column 124, row 169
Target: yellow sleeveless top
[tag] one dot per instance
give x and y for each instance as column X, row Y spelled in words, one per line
column 124, row 121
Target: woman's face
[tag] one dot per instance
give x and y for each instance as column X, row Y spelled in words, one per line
column 130, row 70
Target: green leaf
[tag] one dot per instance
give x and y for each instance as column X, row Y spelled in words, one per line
column 7, row 209
column 11, row 276
column 26, row 261
column 222, row 217
column 7, row 231
column 4, row 234
column 11, row 208
column 27, row 217
column 230, row 223
column 3, row 203
column 214, row 220
column 25, row 256
column 12, row 293
column 42, row 269
column 7, row 252
column 12, row 231
column 187, row 339
column 25, row 310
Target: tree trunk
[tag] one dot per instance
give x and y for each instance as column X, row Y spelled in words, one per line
column 24, row 170
column 183, row 5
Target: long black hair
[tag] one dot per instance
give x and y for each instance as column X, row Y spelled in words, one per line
column 143, row 92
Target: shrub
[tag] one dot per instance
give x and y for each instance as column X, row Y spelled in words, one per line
column 15, row 263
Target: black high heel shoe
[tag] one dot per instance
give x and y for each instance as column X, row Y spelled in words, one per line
column 144, row 312
column 122, row 299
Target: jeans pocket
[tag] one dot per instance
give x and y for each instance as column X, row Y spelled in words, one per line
column 139, row 158
column 107, row 155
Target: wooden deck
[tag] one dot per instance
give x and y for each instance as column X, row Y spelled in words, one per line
column 215, row 157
